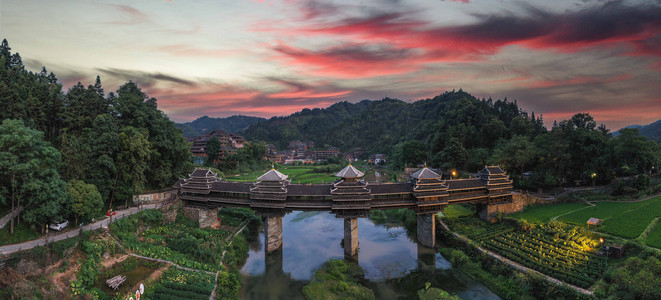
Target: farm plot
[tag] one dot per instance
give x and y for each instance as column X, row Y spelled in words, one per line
column 179, row 284
column 601, row 210
column 654, row 237
column 556, row 251
column 545, row 213
column 625, row 219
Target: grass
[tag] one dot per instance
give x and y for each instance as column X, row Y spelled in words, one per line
column 455, row 211
column 601, row 210
column 654, row 237
column 21, row 234
column 624, row 219
column 545, row 213
column 302, row 174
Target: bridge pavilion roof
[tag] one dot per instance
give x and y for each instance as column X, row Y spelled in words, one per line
column 350, row 172
column 425, row 173
column 392, row 188
column 237, row 187
column 459, row 184
column 272, row 175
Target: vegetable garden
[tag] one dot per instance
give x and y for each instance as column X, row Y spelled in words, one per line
column 558, row 251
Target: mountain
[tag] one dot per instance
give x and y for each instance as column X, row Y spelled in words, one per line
column 377, row 126
column 233, row 124
column 651, row 131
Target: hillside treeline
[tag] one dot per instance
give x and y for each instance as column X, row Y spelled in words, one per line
column 72, row 153
column 458, row 131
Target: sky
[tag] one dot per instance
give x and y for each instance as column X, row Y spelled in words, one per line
column 275, row 57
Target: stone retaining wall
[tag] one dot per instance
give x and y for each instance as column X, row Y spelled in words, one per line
column 519, row 202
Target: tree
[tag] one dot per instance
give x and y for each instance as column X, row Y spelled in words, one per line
column 454, row 155
column 635, row 152
column 409, row 153
column 28, row 174
column 132, row 159
column 212, row 148
column 517, row 153
column 86, row 199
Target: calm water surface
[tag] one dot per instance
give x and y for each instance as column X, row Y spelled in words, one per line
column 395, row 266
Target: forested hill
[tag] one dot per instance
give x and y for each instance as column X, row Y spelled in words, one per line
column 376, row 126
column 651, row 131
column 77, row 152
column 233, row 124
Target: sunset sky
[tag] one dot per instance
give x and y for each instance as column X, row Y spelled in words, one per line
column 271, row 57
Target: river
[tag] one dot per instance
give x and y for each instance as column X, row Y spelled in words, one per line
column 395, row 266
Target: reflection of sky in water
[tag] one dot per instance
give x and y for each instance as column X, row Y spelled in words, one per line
column 312, row 238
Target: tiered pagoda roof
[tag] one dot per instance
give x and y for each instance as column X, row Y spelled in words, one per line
column 270, row 190
column 429, row 190
column 495, row 179
column 349, row 172
column 351, row 195
column 199, row 182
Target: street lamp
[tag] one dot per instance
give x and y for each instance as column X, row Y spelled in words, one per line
column 593, row 176
column 454, row 173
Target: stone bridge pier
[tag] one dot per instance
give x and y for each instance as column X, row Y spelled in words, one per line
column 426, row 228
column 351, row 236
column 272, row 233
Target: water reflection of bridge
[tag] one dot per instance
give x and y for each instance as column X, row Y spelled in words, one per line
column 272, row 196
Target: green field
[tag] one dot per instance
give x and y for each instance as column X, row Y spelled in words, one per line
column 455, row 211
column 654, row 237
column 545, row 213
column 303, row 174
column 624, row 219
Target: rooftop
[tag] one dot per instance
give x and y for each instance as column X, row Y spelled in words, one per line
column 350, row 172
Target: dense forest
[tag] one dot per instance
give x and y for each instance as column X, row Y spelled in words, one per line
column 232, row 124
column 63, row 154
column 458, row 131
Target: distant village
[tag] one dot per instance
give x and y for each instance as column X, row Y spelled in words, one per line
column 297, row 152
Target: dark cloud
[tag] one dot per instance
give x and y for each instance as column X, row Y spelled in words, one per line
column 144, row 78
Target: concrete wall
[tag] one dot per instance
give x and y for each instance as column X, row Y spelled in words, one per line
column 153, row 197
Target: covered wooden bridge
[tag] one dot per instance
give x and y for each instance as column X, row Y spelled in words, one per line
column 349, row 197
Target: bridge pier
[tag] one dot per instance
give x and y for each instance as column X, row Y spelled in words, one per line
column 488, row 212
column 350, row 236
column 427, row 230
column 272, row 233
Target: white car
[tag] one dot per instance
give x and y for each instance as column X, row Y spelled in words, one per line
column 59, row 226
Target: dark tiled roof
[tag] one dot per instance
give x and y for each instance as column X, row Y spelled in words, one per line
column 201, row 173
column 178, row 184
column 350, row 172
column 309, row 189
column 425, row 173
column 464, row 184
column 493, row 169
column 391, row 188
column 272, row 175
column 237, row 187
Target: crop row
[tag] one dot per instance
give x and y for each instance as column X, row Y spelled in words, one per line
column 577, row 275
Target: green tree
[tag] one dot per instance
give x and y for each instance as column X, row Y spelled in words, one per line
column 29, row 176
column 454, row 155
column 131, row 164
column 517, row 153
column 211, row 149
column 635, row 152
column 87, row 201
column 409, row 153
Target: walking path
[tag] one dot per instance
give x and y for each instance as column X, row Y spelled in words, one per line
column 514, row 264
column 51, row 238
